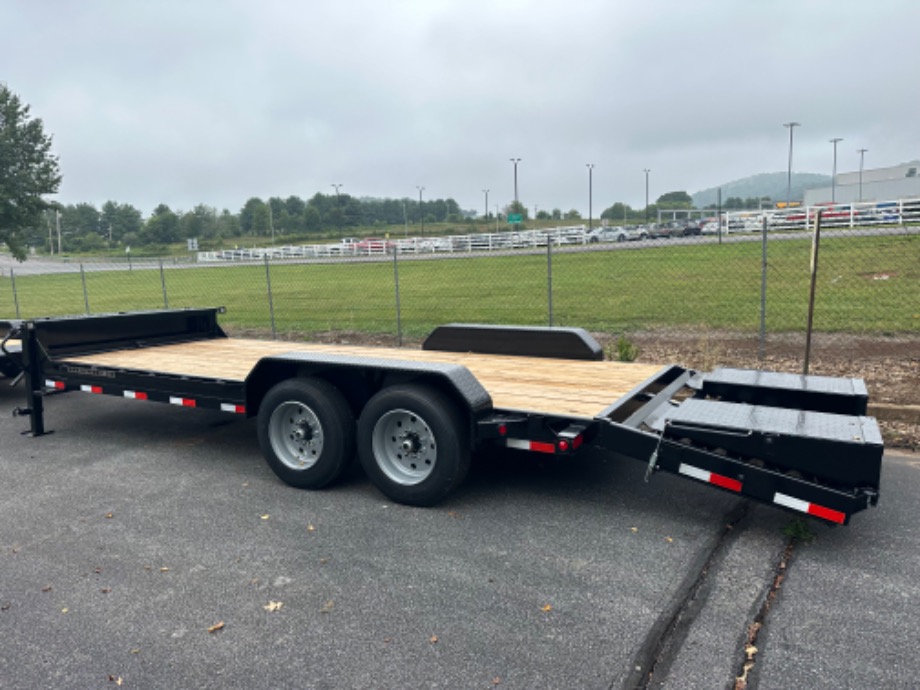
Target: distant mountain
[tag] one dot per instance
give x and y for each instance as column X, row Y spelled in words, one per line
column 772, row 185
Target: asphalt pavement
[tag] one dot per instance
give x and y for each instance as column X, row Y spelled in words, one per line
column 149, row 546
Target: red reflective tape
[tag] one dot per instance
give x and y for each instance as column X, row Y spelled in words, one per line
column 138, row 395
column 231, row 407
column 188, row 402
column 58, row 385
column 826, row 513
column 91, row 389
column 725, row 482
column 542, row 447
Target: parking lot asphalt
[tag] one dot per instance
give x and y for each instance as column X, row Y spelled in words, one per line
column 150, row 546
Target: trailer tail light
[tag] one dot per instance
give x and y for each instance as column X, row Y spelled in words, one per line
column 56, row 385
column 710, row 477
column 502, row 429
column 183, row 402
column 828, row 514
column 230, row 407
column 136, row 395
column 91, row 389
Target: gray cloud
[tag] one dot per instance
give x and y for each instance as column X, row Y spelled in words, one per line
column 215, row 101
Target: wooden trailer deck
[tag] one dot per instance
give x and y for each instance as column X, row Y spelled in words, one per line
column 541, row 385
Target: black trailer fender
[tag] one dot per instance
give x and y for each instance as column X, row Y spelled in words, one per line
column 359, row 378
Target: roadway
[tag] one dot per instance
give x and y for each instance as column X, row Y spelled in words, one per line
column 150, row 546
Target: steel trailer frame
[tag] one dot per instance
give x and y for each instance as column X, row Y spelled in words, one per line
column 803, row 443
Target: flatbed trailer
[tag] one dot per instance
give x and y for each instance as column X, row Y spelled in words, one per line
column 413, row 417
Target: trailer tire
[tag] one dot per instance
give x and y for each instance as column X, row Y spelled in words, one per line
column 307, row 432
column 413, row 442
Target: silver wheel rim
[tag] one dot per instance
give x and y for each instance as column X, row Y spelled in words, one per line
column 404, row 447
column 296, row 435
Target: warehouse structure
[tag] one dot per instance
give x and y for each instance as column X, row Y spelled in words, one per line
column 879, row 184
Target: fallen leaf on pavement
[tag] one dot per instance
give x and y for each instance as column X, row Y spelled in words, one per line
column 273, row 606
column 217, row 626
column 548, row 607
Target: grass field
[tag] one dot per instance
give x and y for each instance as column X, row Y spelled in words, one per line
column 866, row 285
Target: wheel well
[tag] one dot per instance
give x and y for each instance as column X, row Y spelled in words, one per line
column 357, row 384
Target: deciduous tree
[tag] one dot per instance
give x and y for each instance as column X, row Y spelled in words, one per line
column 28, row 171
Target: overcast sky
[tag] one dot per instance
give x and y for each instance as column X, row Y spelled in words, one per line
column 215, row 101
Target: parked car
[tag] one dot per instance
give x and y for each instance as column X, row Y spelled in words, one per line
column 612, row 234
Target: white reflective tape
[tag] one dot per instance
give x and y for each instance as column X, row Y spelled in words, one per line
column 230, row 407
column 695, row 472
column 517, row 443
column 791, row 502
column 86, row 389
column 175, row 401
column 130, row 394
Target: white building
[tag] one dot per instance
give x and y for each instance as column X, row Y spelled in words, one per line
column 879, row 184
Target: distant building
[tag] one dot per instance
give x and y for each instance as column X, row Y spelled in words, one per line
column 879, row 184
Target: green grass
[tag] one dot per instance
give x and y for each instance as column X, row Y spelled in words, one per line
column 705, row 285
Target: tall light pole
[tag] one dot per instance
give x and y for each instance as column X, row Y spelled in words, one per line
column 834, row 175
column 486, row 214
column 590, row 167
column 647, row 171
column 515, row 161
column 338, row 205
column 791, row 126
column 420, row 215
column 862, row 157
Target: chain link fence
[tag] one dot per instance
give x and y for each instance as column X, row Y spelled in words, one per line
column 749, row 288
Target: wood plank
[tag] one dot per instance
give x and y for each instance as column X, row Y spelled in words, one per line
column 540, row 385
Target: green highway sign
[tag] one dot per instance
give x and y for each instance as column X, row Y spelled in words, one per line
column 514, row 218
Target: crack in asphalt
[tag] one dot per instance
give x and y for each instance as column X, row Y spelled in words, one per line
column 750, row 651
column 667, row 635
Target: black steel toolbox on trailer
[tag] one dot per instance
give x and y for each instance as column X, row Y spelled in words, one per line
column 413, row 417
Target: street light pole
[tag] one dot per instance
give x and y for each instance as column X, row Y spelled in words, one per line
column 515, row 161
column 420, row 215
column 590, row 167
column 486, row 214
column 862, row 157
column 834, row 175
column 338, row 205
column 791, row 126
column 647, row 171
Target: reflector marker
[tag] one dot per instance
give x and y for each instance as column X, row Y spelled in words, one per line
column 57, row 385
column 809, row 508
column 230, row 407
column 710, row 477
column 523, row 444
column 136, row 395
column 91, row 389
column 182, row 402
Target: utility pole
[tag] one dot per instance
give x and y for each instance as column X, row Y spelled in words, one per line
column 590, row 185
column 421, row 217
column 338, row 205
column 515, row 161
column 486, row 214
column 57, row 215
column 791, row 126
column 834, row 174
column 647, row 171
column 862, row 157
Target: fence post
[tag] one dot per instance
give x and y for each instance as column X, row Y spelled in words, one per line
column 271, row 306
column 549, row 277
column 399, row 337
column 762, row 350
column 15, row 295
column 85, row 295
column 163, row 284
column 815, row 243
